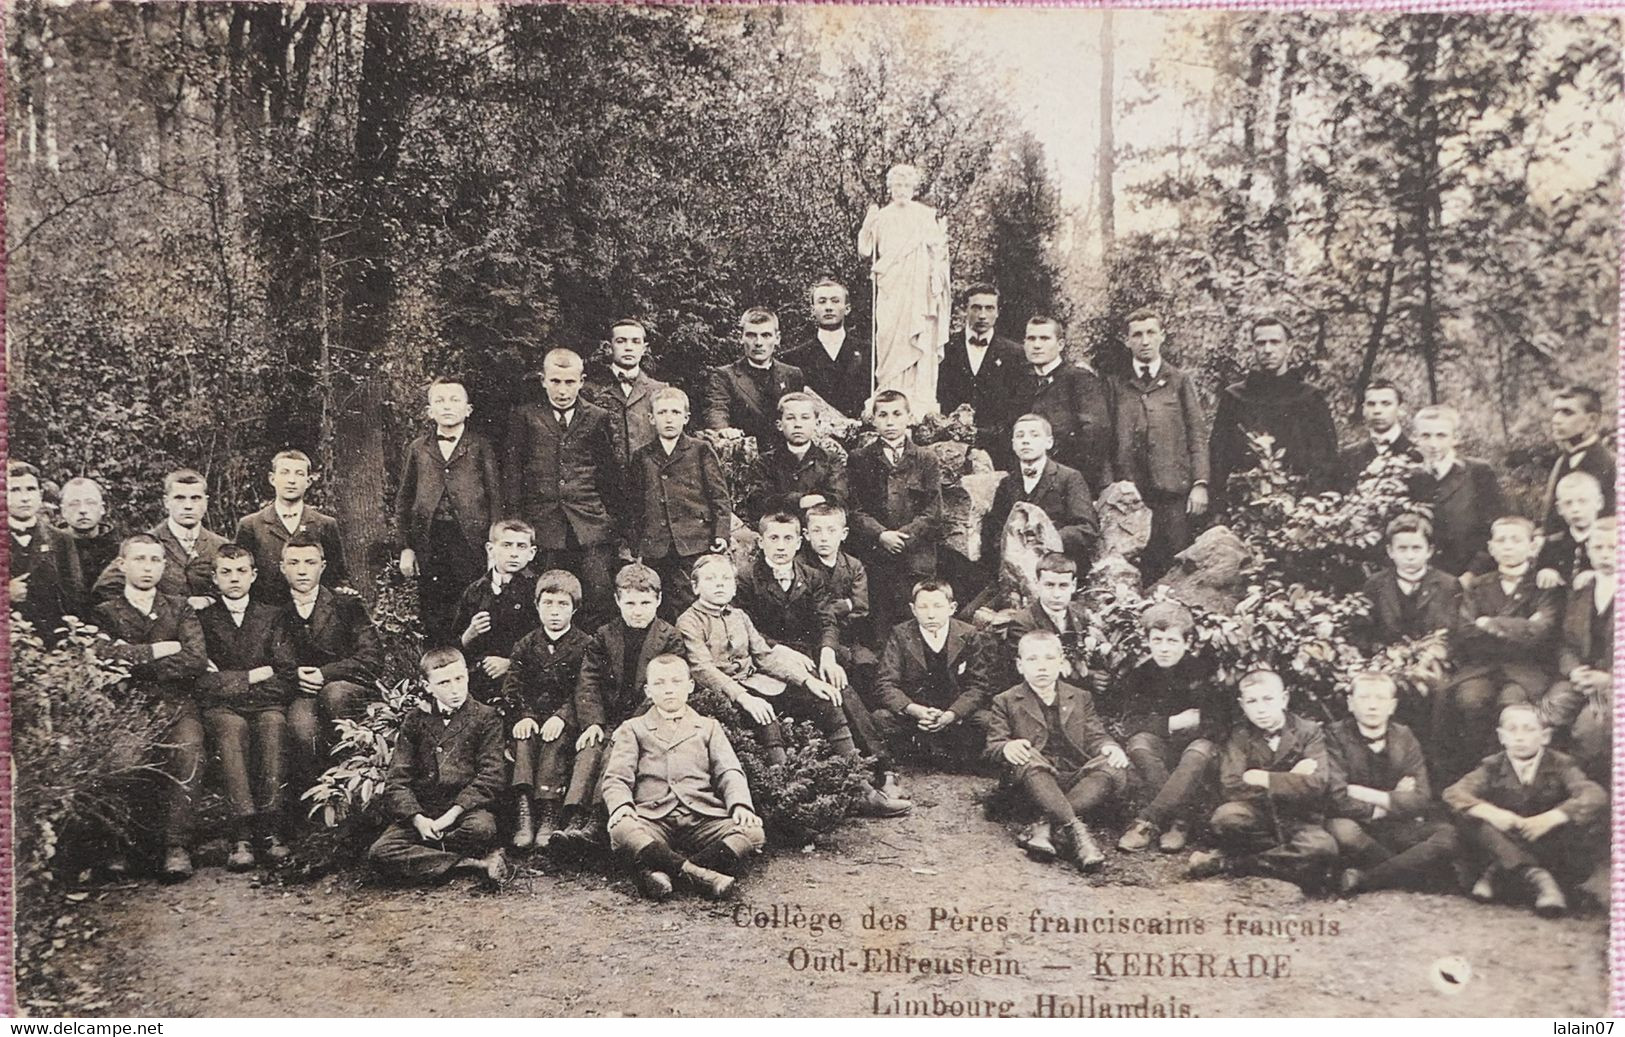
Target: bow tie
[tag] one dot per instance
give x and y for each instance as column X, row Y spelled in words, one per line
column 447, row 439
column 981, row 343
column 784, row 575
column 1031, row 473
column 1375, row 744
column 626, row 379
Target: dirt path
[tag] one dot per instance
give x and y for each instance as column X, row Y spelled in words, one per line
column 224, row 945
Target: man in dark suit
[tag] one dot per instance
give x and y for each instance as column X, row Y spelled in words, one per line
column 1071, row 397
column 1275, row 400
column 189, row 548
column 1385, row 433
column 449, row 495
column 1161, row 441
column 1576, row 426
column 1465, row 494
column 1061, row 491
column 745, row 394
column 835, row 359
column 46, row 582
column 794, row 473
column 628, row 391
column 896, row 509
column 979, row 368
column 1581, row 704
column 84, row 509
column 935, row 680
column 266, row 530
column 561, row 477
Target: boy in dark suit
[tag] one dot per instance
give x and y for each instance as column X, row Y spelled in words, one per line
column 244, row 694
column 980, row 368
column 1465, row 494
column 449, row 495
column 561, row 476
column 896, row 509
column 497, row 610
column 1052, row 609
column 444, row 776
column 540, row 687
column 1529, row 811
column 848, row 581
column 1274, row 775
column 1563, row 550
column 266, row 530
column 97, row 542
column 158, row 637
column 336, row 657
column 46, row 580
column 1161, row 441
column 1581, row 705
column 1073, row 399
column 682, row 505
column 1411, row 599
column 1062, row 493
column 934, row 681
column 795, row 473
column 628, row 391
column 1275, row 400
column 1385, row 433
column 678, row 802
column 1381, row 799
column 834, row 358
column 1054, row 747
column 189, row 548
column 744, row 395
column 1172, row 710
column 1577, row 428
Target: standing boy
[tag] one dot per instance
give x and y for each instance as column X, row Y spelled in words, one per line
column 1581, row 705
column 896, row 509
column 84, row 509
column 497, row 610
column 1385, row 433
column 1577, row 428
column 682, row 508
column 628, row 393
column 1562, row 555
column 1465, row 494
column 266, row 530
column 980, row 368
column 848, row 579
column 189, row 547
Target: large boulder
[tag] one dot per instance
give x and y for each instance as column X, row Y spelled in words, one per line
column 1125, row 521
column 967, row 495
column 1212, row 573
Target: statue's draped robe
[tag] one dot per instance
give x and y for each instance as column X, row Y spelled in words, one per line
column 909, row 245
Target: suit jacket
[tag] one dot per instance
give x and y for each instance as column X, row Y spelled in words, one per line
column 905, row 678
column 184, row 575
column 264, row 534
column 469, row 478
column 681, row 501
column 561, row 480
column 96, row 552
column 1283, row 406
column 1465, row 502
column 605, row 694
column 735, row 398
column 1150, row 695
column 1356, row 459
column 541, row 683
column 1298, row 795
column 55, row 578
column 1435, row 606
column 1559, row 782
column 842, row 382
column 1063, row 493
column 802, row 617
column 339, row 638
column 655, row 771
column 1521, row 623
column 1560, row 552
column 631, row 415
column 1017, row 713
column 782, row 480
column 1161, row 430
column 1597, row 459
column 234, row 651
column 1074, row 399
column 513, row 615
column 907, row 498
column 1354, row 763
column 437, row 765
column 171, row 619
column 849, row 584
column 725, row 649
column 1587, row 639
column 990, row 391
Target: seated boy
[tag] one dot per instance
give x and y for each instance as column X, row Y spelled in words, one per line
column 679, row 806
column 1274, row 775
column 1052, row 609
column 244, row 694
column 848, row 581
column 497, row 610
column 158, row 637
column 1172, row 710
column 1381, row 800
column 266, row 530
column 540, row 687
column 796, row 473
column 444, row 777
column 1529, row 811
column 1037, row 478
column 1580, row 707
column 933, row 684
column 682, row 505
column 1502, row 648
column 896, row 509
column 1054, row 747
column 1578, row 503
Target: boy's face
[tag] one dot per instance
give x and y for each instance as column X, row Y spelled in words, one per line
column 761, row 341
column 627, row 346
column 981, row 314
column 1435, row 439
column 1030, row 442
column 511, row 551
column 1511, row 545
column 829, row 306
column 449, row 684
column 1145, row 339
column 1410, row 553
column 143, row 566
column 1380, row 409
column 1372, row 703
column 448, row 405
column 23, row 497
column 891, row 420
column 83, row 507
column 1264, row 703
column 1570, row 420
column 302, row 568
column 780, row 542
column 563, row 384
column 1578, row 502
column 186, row 504
column 1055, row 590
column 637, row 607
column 668, row 686
column 1167, row 646
column 233, row 577
column 290, row 479
column 932, row 610
column 1522, row 734
column 798, row 423
column 1042, row 344
column 1601, row 549
column 1039, row 663
column 715, row 584
column 670, row 417
column 555, row 611
column 826, row 533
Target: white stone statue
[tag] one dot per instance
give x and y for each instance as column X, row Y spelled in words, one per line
column 908, row 243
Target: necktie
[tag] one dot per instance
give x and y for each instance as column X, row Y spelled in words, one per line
column 1145, row 372
column 891, row 457
column 785, row 577
column 1274, row 741
column 563, row 416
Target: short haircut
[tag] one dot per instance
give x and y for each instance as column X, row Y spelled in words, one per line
column 446, row 379
column 305, row 540
column 510, row 525
column 665, row 659
column 637, row 577
column 1522, row 707
column 979, row 288
column 1437, row 412
column 135, row 540
column 15, row 469
column 932, row 584
column 1039, row 419
column 758, row 315
column 1056, row 562
column 561, row 357
column 77, row 482
column 557, row 581
column 827, row 282
column 1060, row 325
column 1168, row 615
column 1034, row 637
column 1408, row 523
column 291, row 455
column 1271, row 320
column 893, row 396
column 796, row 397
column 628, row 322
column 777, row 518
column 1383, row 383
column 706, row 561
column 670, row 392
column 1590, row 399
column 1518, row 521
column 182, row 477
column 439, row 658
column 1257, row 675
column 1360, row 677
column 1143, row 313
column 230, row 551
column 826, row 510
column 1579, row 478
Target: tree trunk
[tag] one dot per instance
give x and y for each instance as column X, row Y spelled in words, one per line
column 1379, row 323
column 1280, row 216
column 1108, row 144
column 1423, row 51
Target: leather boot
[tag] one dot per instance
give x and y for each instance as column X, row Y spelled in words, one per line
column 1038, row 841
column 546, row 814
column 1549, row 899
column 655, row 885
column 177, row 864
column 1081, row 847
column 242, row 856
column 713, row 884
column 524, row 830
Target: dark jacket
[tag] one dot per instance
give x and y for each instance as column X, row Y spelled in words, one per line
column 1284, row 406
column 1353, row 763
column 605, row 694
column 681, row 502
column 1395, row 618
column 849, row 585
column 1298, row 795
column 55, row 578
column 1559, row 783
column 96, row 553
column 1063, row 493
column 541, row 683
column 737, row 397
column 339, row 638
column 1464, row 503
column 1356, row 459
column 1561, row 553
column 905, row 678
column 1598, row 459
column 631, row 416
column 842, row 382
column 1587, row 638
column 1522, row 624
column 185, row 576
column 1074, row 400
column 234, row 651
column 1017, row 713
column 990, row 391
column 782, row 480
column 562, row 480
column 513, row 615
column 907, row 498
column 172, row 619
column 264, row 534
column 437, row 765
column 1161, row 430
column 470, row 479
column 1149, row 695
column 802, row 617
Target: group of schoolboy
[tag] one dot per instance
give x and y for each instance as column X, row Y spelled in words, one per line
column 558, row 713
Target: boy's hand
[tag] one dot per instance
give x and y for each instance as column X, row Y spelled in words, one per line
column 1532, row 828
column 446, row 820
column 1546, row 579
column 552, row 729
column 19, row 588
column 893, row 541
column 621, row 814
column 1587, row 679
column 830, row 670
column 409, row 562
column 310, row 679
column 1018, row 751
column 258, row 675
column 1405, row 784
column 809, row 500
column 165, row 649
column 943, row 719
column 1305, row 767
column 1499, row 818
column 495, row 665
column 526, row 728
column 1584, row 578
column 1184, row 721
column 1257, row 777
column 1115, row 757
column 425, row 828
column 824, row 690
column 920, row 712
column 757, row 708
column 480, row 624
column 1196, row 503
column 199, row 602
column 593, row 735
column 745, row 817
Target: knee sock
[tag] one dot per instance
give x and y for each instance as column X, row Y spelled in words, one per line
column 1041, row 786
column 718, row 857
column 1089, row 793
column 659, row 857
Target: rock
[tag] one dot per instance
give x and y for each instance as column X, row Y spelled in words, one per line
column 1028, row 536
column 1125, row 521
column 966, row 497
column 1212, row 573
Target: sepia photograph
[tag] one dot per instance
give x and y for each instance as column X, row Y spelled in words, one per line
column 558, row 510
